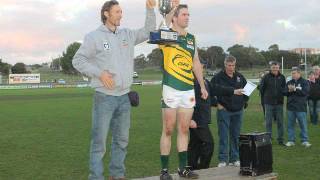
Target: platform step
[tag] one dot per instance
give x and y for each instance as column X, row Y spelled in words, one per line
column 222, row 173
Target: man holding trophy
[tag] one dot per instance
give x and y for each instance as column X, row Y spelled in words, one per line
column 180, row 64
column 106, row 55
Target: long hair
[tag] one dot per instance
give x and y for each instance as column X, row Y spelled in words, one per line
column 107, row 7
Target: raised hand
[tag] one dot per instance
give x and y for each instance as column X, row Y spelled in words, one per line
column 151, row 4
column 175, row 3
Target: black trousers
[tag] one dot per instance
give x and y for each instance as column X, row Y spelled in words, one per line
column 200, row 148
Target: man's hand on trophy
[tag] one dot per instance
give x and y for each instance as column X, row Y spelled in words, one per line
column 151, row 4
column 175, row 3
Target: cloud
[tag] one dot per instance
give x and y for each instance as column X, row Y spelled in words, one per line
column 241, row 32
column 68, row 10
column 28, row 42
column 38, row 30
column 287, row 24
column 5, row 3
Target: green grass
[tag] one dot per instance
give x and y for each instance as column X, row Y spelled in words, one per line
column 150, row 74
column 45, row 134
column 49, row 76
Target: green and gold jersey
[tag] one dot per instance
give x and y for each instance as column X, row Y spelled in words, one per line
column 178, row 63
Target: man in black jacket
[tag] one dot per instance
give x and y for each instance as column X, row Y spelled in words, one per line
column 201, row 142
column 229, row 113
column 297, row 91
column 316, row 70
column 258, row 87
column 272, row 88
column 314, row 98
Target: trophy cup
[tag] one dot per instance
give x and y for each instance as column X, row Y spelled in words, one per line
column 164, row 35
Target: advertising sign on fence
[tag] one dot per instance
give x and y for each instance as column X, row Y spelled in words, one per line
column 24, row 78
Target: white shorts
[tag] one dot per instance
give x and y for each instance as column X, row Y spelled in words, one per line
column 172, row 98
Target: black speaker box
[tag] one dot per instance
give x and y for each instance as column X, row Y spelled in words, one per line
column 255, row 154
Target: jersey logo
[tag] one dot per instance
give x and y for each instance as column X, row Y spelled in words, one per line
column 299, row 87
column 190, row 42
column 182, row 62
column 190, row 47
column 106, row 46
column 178, row 63
column 238, row 79
column 125, row 43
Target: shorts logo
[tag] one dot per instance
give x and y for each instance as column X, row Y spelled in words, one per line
column 169, row 100
column 192, row 99
column 106, row 46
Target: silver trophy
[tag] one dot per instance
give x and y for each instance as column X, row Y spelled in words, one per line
column 164, row 35
column 165, row 7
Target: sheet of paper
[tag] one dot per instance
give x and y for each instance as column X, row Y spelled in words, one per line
column 249, row 88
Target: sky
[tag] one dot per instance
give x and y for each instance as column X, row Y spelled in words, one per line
column 36, row 31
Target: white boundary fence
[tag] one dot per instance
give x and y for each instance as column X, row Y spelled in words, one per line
column 43, row 86
column 79, row 85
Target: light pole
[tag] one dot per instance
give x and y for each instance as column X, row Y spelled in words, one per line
column 282, row 64
column 305, row 62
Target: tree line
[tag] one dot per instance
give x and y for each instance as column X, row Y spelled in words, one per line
column 247, row 57
column 18, row 68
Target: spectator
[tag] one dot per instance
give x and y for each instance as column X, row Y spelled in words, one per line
column 313, row 98
column 297, row 91
column 272, row 88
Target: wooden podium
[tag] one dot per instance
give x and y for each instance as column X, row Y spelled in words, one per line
column 223, row 173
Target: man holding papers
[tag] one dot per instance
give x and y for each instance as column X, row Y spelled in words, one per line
column 229, row 113
column 249, row 88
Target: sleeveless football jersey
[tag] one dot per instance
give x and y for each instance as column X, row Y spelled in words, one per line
column 178, row 63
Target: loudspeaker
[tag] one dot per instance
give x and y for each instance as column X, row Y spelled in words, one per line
column 255, row 154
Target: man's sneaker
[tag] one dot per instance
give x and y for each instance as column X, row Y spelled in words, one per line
column 187, row 173
column 236, row 164
column 306, row 144
column 290, row 143
column 222, row 164
column 165, row 175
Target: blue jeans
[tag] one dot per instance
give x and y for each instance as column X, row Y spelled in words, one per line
column 274, row 111
column 109, row 112
column 229, row 123
column 302, row 120
column 314, row 108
